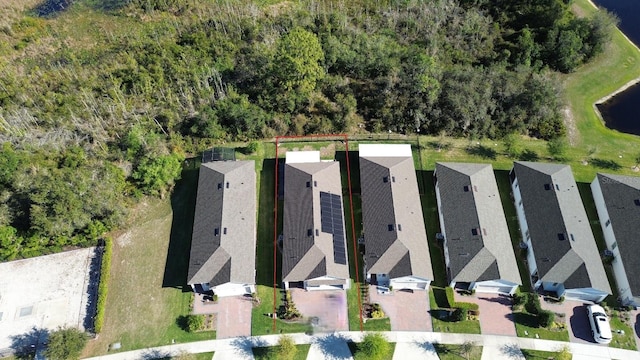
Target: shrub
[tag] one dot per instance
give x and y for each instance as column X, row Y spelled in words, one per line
column 105, row 270
column 285, row 350
column 519, row 298
column 533, row 304
column 546, row 318
column 450, row 297
column 195, row 323
column 377, row 312
column 374, row 346
column 460, row 314
column 66, row 343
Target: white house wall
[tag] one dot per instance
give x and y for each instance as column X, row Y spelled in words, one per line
column 524, row 228
column 409, row 282
column 443, row 231
column 233, row 289
column 622, row 282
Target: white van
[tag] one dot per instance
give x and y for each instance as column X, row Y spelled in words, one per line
column 600, row 329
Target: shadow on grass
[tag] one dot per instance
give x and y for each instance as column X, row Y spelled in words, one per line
column 332, row 346
column 439, row 145
column 264, row 243
column 605, row 164
column 525, row 319
column 482, row 151
column 183, row 201
column 529, row 155
column 245, row 345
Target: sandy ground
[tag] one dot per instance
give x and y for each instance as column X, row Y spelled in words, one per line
column 44, row 292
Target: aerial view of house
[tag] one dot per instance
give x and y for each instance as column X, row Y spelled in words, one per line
column 561, row 250
column 223, row 243
column 478, row 250
column 396, row 249
column 617, row 199
column 314, row 248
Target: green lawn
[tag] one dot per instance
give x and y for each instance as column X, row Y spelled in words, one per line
column 527, row 326
column 262, row 353
column 147, row 290
column 457, row 352
column 437, row 299
column 538, row 354
column 623, row 340
column 203, row 356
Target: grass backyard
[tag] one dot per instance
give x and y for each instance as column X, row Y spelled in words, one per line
column 538, row 354
column 624, row 339
column 148, row 271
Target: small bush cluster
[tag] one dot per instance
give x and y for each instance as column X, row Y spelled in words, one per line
column 377, row 312
column 532, row 305
column 105, row 270
column 289, row 310
column 195, row 323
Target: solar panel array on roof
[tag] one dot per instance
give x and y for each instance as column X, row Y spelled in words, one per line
column 331, row 222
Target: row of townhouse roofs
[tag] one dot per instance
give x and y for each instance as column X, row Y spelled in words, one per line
column 561, row 252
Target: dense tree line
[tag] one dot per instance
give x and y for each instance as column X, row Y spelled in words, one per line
column 91, row 118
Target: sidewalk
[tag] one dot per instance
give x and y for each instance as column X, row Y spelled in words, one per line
column 334, row 346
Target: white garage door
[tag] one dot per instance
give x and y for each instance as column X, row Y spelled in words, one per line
column 582, row 296
column 408, row 285
column 495, row 289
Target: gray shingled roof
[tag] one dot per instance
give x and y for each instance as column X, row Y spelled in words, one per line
column 622, row 198
column 555, row 213
column 403, row 250
column 469, row 199
column 307, row 257
column 230, row 255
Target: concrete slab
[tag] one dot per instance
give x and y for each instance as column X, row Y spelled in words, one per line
column 496, row 317
column 233, row 318
column 331, row 346
column 43, row 293
column 501, row 348
column 415, row 350
column 407, row 311
column 328, row 306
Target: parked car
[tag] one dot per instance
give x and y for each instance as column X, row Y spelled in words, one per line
column 599, row 321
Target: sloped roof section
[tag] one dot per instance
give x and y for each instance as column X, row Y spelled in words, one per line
column 560, row 233
column 308, row 252
column 395, row 235
column 622, row 200
column 475, row 226
column 223, row 244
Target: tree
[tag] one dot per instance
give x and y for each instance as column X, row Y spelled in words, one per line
column 512, row 145
column 297, row 61
column 557, row 148
column 66, row 343
column 153, row 175
column 285, row 350
column 467, row 348
column 374, row 346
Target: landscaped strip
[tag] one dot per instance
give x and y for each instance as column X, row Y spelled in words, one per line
column 105, row 271
column 440, row 315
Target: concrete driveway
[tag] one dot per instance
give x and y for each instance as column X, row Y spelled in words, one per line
column 407, row 311
column 575, row 316
column 233, row 315
column 496, row 317
column 328, row 306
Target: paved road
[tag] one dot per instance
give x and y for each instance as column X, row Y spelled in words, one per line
column 332, row 346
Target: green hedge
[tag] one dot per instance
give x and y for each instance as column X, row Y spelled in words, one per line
column 105, row 270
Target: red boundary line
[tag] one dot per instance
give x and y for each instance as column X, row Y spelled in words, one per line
column 275, row 220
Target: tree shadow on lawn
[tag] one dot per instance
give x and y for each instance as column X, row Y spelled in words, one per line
column 334, row 346
column 605, row 164
column 482, row 151
column 183, row 202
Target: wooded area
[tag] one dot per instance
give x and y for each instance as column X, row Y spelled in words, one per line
column 101, row 100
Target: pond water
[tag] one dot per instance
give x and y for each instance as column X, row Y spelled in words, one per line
column 622, row 111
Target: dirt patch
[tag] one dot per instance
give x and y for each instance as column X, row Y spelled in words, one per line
column 124, row 240
column 570, row 124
